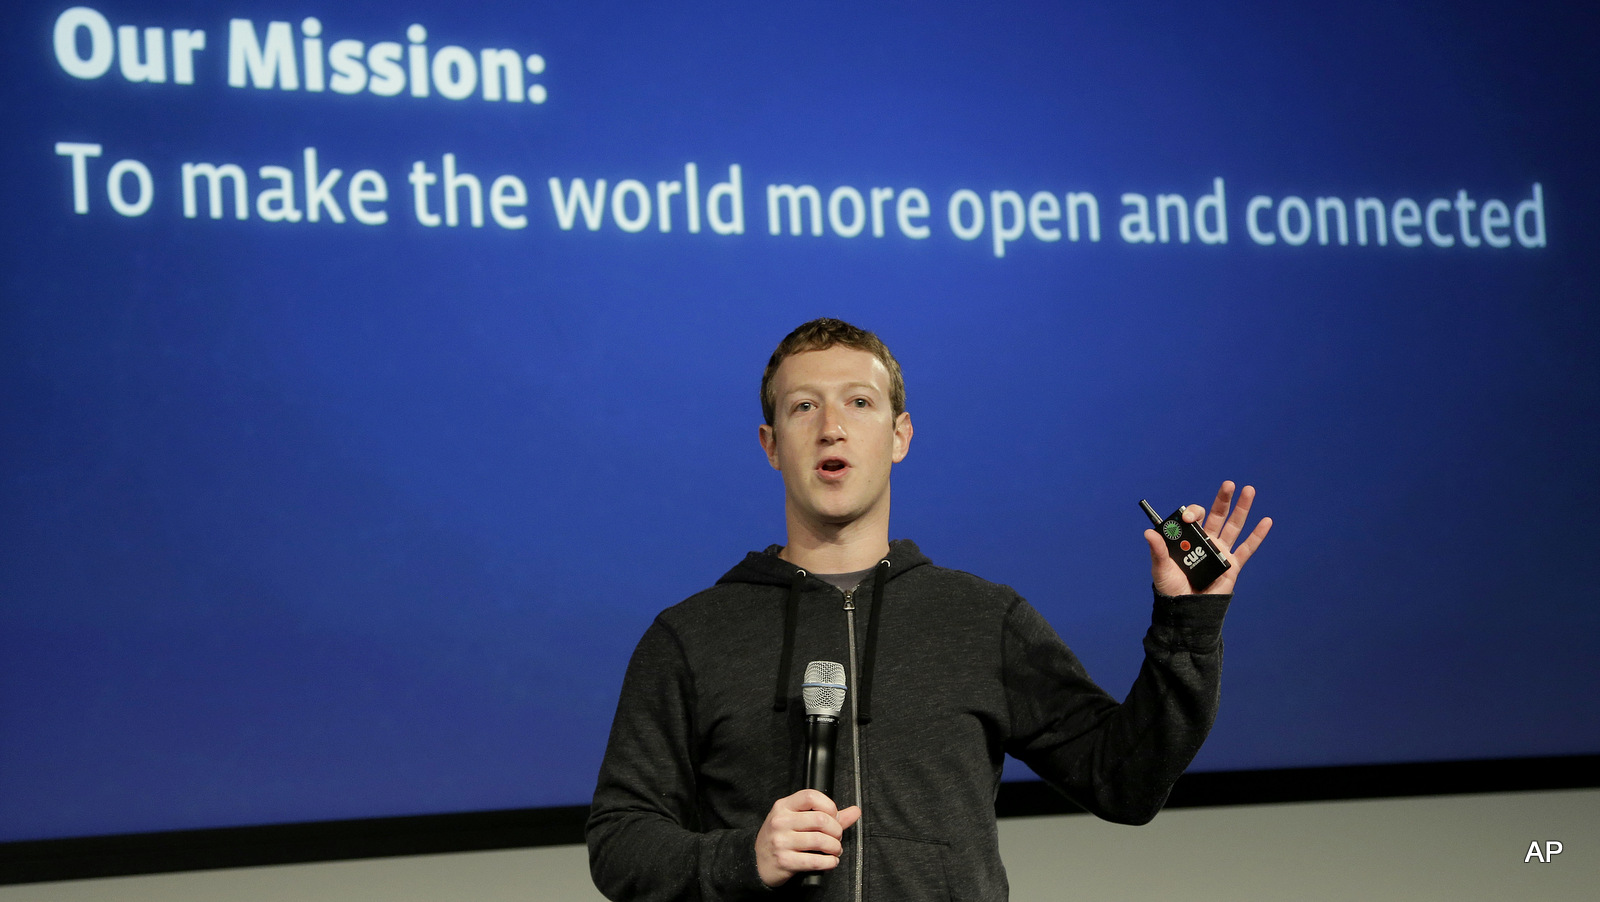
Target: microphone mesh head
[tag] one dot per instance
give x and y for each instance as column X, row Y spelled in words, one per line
column 823, row 689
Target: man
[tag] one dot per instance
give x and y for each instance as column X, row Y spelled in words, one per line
column 700, row 793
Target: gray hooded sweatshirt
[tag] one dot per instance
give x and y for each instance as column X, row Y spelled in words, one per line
column 947, row 673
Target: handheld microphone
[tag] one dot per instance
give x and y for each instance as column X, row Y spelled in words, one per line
column 823, row 692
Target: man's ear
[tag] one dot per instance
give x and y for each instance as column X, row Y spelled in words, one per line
column 902, row 435
column 769, row 444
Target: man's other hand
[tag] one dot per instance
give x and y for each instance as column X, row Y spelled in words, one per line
column 803, row 832
column 1224, row 529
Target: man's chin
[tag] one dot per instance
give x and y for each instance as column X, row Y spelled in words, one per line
column 835, row 512
column 840, row 517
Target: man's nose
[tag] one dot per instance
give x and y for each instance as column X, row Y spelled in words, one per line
column 832, row 425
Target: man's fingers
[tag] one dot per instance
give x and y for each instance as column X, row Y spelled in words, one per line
column 819, row 850
column 800, row 862
column 1241, row 512
column 811, row 832
column 1253, row 541
column 802, row 833
column 810, row 800
column 810, row 842
column 1166, row 576
column 1158, row 548
column 1219, row 508
column 1223, row 522
column 809, row 811
column 810, row 822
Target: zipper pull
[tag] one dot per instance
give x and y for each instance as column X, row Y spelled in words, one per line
column 850, row 601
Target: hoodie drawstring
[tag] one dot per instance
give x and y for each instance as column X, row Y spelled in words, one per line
column 791, row 613
column 880, row 579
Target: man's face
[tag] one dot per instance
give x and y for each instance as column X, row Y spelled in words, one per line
column 834, row 437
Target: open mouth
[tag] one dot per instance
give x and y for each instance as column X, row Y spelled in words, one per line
column 832, row 465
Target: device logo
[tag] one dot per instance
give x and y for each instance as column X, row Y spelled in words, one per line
column 1194, row 557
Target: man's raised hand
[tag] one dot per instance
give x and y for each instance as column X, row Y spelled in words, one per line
column 803, row 832
column 1224, row 528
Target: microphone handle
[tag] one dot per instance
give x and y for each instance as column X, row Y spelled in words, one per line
column 820, row 741
column 823, row 732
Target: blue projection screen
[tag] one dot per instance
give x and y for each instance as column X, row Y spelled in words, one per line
column 374, row 372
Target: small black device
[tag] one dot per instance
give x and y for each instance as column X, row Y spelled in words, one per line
column 1190, row 547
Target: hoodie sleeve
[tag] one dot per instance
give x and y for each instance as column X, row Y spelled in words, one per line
column 643, row 836
column 1118, row 761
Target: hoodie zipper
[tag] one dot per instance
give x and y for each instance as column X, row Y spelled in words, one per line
column 855, row 737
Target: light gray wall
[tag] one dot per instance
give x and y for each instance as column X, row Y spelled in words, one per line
column 1447, row 848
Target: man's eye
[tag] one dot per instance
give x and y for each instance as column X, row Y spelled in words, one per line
column 860, row 402
column 803, row 407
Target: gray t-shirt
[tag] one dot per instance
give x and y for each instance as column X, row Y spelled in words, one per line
column 846, row 582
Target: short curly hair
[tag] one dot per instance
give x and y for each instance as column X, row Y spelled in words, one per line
column 819, row 335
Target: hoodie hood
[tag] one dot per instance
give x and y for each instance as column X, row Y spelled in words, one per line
column 765, row 568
